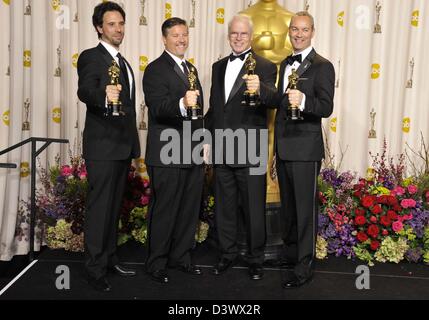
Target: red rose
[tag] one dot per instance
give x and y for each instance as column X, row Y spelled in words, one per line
column 382, row 199
column 359, row 212
column 392, row 215
column 374, row 245
column 377, row 209
column 385, row 221
column 360, row 220
column 392, row 201
column 357, row 194
column 361, row 236
column 367, row 201
column 373, row 219
column 373, row 231
column 358, row 186
column 397, row 208
column 385, row 232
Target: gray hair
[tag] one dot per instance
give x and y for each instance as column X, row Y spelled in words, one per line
column 303, row 14
column 241, row 17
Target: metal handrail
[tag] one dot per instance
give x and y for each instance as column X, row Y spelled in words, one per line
column 34, row 154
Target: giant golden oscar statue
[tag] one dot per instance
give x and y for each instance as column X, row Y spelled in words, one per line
column 271, row 41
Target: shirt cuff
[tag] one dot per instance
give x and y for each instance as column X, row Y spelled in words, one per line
column 183, row 110
column 302, row 106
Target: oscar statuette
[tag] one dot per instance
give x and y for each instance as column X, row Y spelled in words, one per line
column 114, row 108
column 194, row 112
column 250, row 97
column 293, row 111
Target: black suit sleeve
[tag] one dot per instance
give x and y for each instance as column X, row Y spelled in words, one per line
column 321, row 104
column 268, row 92
column 161, row 104
column 208, row 118
column 90, row 90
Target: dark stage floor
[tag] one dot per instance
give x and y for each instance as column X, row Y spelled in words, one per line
column 335, row 278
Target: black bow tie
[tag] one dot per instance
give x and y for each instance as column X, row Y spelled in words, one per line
column 291, row 59
column 232, row 57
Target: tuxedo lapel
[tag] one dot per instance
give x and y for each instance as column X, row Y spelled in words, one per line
column 181, row 74
column 306, row 63
column 106, row 55
column 237, row 84
column 221, row 74
column 176, row 68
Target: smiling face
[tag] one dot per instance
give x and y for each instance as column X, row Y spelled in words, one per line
column 240, row 36
column 113, row 28
column 301, row 31
column 177, row 40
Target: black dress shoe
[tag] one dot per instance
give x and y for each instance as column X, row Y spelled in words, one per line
column 100, row 284
column 160, row 276
column 255, row 271
column 222, row 266
column 123, row 271
column 190, row 269
column 294, row 282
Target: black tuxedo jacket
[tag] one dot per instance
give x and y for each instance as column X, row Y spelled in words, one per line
column 164, row 84
column 105, row 138
column 231, row 114
column 303, row 140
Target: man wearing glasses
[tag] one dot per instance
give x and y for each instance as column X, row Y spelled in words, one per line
column 235, row 185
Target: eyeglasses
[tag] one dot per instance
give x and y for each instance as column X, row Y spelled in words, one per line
column 243, row 35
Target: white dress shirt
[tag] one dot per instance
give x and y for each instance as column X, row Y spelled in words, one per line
column 295, row 65
column 233, row 68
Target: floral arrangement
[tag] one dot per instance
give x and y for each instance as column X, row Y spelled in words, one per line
column 133, row 217
column 60, row 204
column 383, row 217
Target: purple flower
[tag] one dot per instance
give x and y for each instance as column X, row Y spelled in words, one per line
column 419, row 221
column 414, row 255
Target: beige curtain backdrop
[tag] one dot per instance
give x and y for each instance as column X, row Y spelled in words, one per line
column 372, row 73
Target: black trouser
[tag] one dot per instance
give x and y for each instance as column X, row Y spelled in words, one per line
column 173, row 215
column 298, row 193
column 233, row 184
column 106, row 188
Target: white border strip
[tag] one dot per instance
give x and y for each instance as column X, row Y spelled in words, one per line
column 17, row 277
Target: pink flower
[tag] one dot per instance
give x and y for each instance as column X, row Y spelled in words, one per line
column 83, row 173
column 144, row 200
column 66, row 171
column 412, row 189
column 407, row 217
column 397, row 226
column 145, row 183
column 341, row 207
column 408, row 203
column 399, row 191
column 427, row 195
